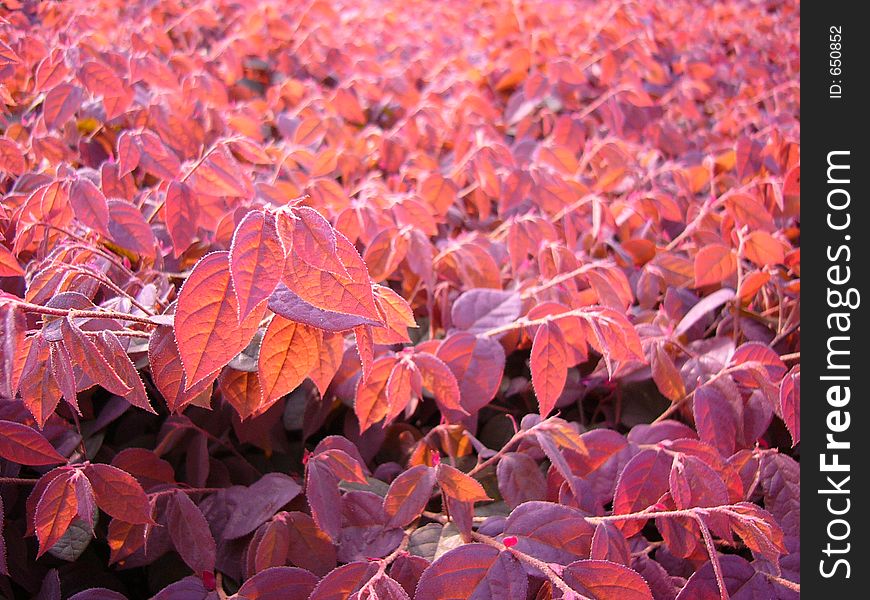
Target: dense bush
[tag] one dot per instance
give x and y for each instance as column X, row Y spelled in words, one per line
column 399, row 299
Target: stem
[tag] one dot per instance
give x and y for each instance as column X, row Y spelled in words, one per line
column 195, row 166
column 795, row 587
column 561, row 278
column 524, row 322
column 17, row 481
column 84, row 314
column 504, row 450
column 532, row 562
column 714, row 556
column 111, row 285
column 204, row 490
column 679, row 403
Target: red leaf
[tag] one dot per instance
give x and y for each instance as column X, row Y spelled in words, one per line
column 119, row 494
column 549, row 363
column 604, row 580
column 207, row 330
column 60, row 104
column 764, row 356
column 9, row 266
column 478, row 310
column 716, row 419
column 128, row 153
column 758, row 530
column 344, row 466
column 330, row 349
column 14, row 348
column 439, row 192
column 11, row 158
column 39, row 390
column 476, row 571
column 439, row 379
column 314, row 241
column 520, row 479
column 342, row 582
column 90, row 205
column 609, row 544
column 165, row 365
column 264, row 498
column 408, row 495
column 145, row 466
column 665, row 374
column 190, row 533
column 56, row 509
column 181, row 213
column 321, row 491
column 268, row 547
column 400, row 388
column 289, row 305
column 365, row 348
column 289, row 351
column 26, row 446
column 154, row 157
column 124, row 539
column 128, row 229
column 643, row 481
column 714, row 263
column 550, row 532
column 111, row 348
column 256, row 260
column 741, row 581
column 790, row 403
column 87, row 355
column 763, row 249
column 398, row 316
column 279, row 583
column 309, row 547
column 220, row 175
column 693, row 483
column 478, row 364
column 102, row 81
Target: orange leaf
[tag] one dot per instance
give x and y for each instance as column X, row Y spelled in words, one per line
column 714, row 264
column 207, row 330
column 458, row 485
column 549, row 363
column 330, row 349
column 334, row 291
column 665, row 374
column 289, row 351
column 60, row 104
column 397, row 314
column 763, row 249
column 371, row 403
column 314, row 241
column 220, row 175
column 9, row 267
column 256, row 260
column 168, row 374
column 55, row 511
column 242, row 390
column 440, row 380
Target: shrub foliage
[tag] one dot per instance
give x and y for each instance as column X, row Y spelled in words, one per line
column 399, row 300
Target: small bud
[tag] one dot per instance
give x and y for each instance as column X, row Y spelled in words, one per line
column 208, row 580
column 510, row 541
